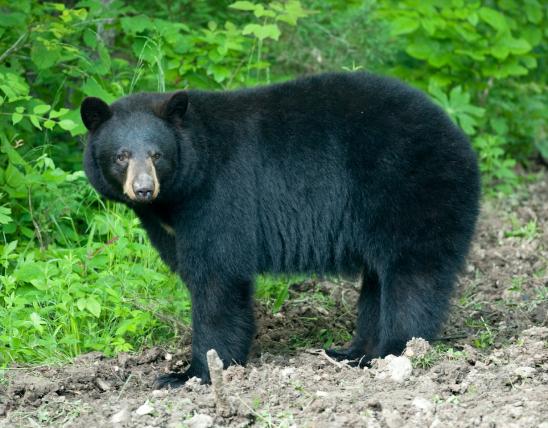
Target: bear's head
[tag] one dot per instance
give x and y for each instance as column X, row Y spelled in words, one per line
column 133, row 146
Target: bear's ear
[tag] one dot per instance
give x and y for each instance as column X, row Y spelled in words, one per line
column 175, row 107
column 94, row 112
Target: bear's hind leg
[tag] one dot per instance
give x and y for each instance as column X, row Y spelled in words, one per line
column 366, row 336
column 414, row 303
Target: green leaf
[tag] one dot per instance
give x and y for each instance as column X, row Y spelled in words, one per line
column 49, row 124
column 54, row 114
column 11, row 20
column 90, row 38
column 37, row 322
column 44, row 57
column 517, row 46
column 41, row 109
column 429, row 26
column 403, row 25
column 243, row 5
column 419, row 50
column 533, row 11
column 262, row 31
column 92, row 89
column 16, row 118
column 103, row 65
column 137, row 24
column 260, row 11
column 473, row 19
column 494, row 18
column 67, row 124
column 93, row 306
column 5, row 215
column 28, row 272
column 500, row 51
column 34, row 120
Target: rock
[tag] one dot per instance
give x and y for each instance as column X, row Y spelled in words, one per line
column 436, row 423
column 392, row 418
column 416, row 347
column 395, row 368
column 125, row 360
column 158, row 393
column 423, row 404
column 150, row 355
column 200, row 420
column 145, row 409
column 120, row 417
column 102, row 384
column 322, row 394
column 525, row 372
column 287, row 372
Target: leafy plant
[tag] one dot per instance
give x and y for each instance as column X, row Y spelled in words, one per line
column 482, row 54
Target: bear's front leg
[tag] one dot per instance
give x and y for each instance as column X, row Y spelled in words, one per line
column 222, row 319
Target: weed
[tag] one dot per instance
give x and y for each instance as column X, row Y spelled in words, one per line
column 528, row 231
column 485, row 337
column 437, row 353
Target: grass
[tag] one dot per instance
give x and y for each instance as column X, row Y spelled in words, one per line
column 528, row 231
column 437, row 353
column 100, row 292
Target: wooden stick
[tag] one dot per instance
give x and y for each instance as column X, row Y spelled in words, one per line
column 215, row 365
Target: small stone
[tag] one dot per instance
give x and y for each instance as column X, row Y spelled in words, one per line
column 120, row 417
column 168, row 356
column 159, row 393
column 416, row 347
column 423, row 404
column 145, row 409
column 525, row 372
column 396, row 368
column 288, row 371
column 392, row 418
column 322, row 394
column 436, row 423
column 103, row 385
column 200, row 420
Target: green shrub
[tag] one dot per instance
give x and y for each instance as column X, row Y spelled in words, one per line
column 482, row 60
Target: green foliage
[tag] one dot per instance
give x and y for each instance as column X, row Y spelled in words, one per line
column 483, row 62
column 338, row 34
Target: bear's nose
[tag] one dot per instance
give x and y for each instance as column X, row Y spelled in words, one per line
column 143, row 187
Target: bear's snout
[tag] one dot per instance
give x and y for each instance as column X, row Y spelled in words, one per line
column 143, row 187
column 141, row 182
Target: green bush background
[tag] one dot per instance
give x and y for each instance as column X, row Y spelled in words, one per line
column 77, row 273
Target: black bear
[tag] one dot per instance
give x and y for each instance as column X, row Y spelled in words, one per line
column 334, row 173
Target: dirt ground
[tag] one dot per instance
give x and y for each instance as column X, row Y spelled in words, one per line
column 489, row 367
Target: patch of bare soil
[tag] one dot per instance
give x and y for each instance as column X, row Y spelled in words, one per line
column 489, row 367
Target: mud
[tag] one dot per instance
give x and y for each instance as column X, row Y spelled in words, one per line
column 488, row 368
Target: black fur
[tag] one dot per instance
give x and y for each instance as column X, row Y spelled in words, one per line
column 336, row 173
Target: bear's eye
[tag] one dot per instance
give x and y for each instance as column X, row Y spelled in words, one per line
column 122, row 157
column 156, row 156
